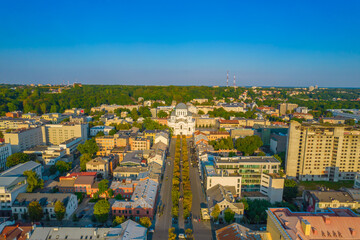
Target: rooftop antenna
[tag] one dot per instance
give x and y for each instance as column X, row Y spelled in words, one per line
column 227, row 79
column 234, row 81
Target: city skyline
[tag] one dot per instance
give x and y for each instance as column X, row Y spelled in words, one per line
column 262, row 43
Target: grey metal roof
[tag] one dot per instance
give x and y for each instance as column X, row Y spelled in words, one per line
column 181, row 106
column 19, row 169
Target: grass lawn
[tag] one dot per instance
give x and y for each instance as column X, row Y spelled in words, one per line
column 314, row 185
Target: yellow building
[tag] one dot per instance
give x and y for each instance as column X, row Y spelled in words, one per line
column 322, row 152
column 107, row 143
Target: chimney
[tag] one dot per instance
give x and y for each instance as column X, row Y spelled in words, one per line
column 306, row 227
column 326, row 219
column 352, row 231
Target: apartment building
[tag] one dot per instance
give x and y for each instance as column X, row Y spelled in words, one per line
column 47, row 202
column 249, row 168
column 108, row 143
column 212, row 177
column 102, row 165
column 322, row 152
column 105, row 129
column 334, row 224
column 5, row 151
column 272, row 185
column 55, row 134
column 13, row 182
column 54, row 117
column 16, row 123
column 139, row 143
column 22, row 139
column 285, row 108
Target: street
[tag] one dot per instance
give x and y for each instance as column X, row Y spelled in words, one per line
column 164, row 222
column 202, row 230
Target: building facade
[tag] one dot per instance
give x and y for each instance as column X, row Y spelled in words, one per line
column 5, row 151
column 55, row 134
column 320, row 152
column 23, row 139
column 181, row 121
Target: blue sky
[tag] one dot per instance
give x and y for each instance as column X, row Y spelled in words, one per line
column 264, row 43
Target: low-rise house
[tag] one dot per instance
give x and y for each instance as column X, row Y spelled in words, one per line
column 134, row 158
column 321, row 201
column 142, row 203
column 19, row 231
column 223, row 196
column 84, row 182
column 125, row 231
column 125, row 188
column 215, row 135
column 105, row 129
column 47, row 202
column 121, row 173
column 162, row 137
column 102, row 165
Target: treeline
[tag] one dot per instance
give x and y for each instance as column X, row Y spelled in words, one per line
column 39, row 100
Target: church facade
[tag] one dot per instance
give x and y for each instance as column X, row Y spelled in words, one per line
column 181, row 121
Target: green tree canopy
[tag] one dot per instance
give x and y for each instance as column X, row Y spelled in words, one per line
column 145, row 222
column 60, row 210
column 215, row 212
column 17, row 158
column 103, row 186
column 89, row 147
column 290, row 190
column 35, row 211
column 229, row 215
column 85, row 158
column 63, row 166
column 112, row 132
column 101, row 210
column 162, row 114
column 249, row 144
column 118, row 220
column 33, row 180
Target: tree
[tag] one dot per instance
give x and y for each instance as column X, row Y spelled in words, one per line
column 229, row 215
column 53, row 109
column 162, row 114
column 89, row 147
column 248, row 144
column 1, row 135
column 112, row 132
column 215, row 212
column 43, row 107
column 189, row 233
column 60, row 210
column 35, row 211
column 145, row 222
column 100, row 134
column 33, row 181
column 101, row 210
column 201, row 112
column 172, row 235
column 17, row 158
column 103, row 186
column 63, row 166
column 290, row 190
column 350, row 122
column 245, row 203
column 85, row 158
column 118, row 220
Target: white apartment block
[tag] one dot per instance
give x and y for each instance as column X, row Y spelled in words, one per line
column 23, row 139
column 5, row 151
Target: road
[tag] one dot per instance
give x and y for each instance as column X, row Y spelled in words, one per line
column 164, row 222
column 202, row 230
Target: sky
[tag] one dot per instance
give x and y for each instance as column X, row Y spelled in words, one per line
column 262, row 43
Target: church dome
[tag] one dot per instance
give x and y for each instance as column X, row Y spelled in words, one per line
column 181, row 106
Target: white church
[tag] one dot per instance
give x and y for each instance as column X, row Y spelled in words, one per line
column 181, row 121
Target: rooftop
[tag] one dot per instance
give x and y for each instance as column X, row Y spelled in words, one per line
column 250, row 159
column 329, row 196
column 19, row 169
column 335, row 224
column 236, row 231
column 45, row 199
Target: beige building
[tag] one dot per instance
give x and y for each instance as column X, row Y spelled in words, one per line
column 272, row 185
column 205, row 122
column 322, row 152
column 23, row 139
column 54, row 117
column 98, row 165
column 139, row 143
column 55, row 134
column 285, row 108
column 107, row 143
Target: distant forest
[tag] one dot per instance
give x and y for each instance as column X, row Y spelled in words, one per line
column 39, row 100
